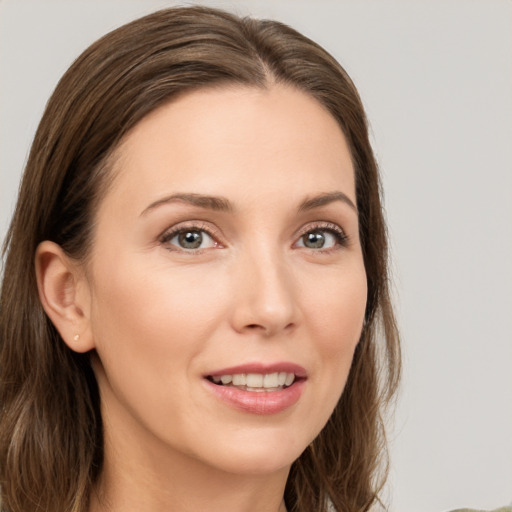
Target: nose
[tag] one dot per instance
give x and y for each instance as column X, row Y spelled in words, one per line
column 265, row 301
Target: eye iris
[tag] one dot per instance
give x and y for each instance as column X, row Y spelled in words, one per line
column 190, row 239
column 314, row 240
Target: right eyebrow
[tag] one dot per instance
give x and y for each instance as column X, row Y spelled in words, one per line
column 215, row 203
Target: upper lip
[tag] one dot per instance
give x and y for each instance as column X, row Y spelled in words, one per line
column 262, row 368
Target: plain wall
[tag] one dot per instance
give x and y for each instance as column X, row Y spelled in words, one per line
column 436, row 78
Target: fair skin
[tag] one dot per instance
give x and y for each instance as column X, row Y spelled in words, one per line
column 268, row 277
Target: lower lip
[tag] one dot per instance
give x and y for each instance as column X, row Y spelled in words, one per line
column 254, row 402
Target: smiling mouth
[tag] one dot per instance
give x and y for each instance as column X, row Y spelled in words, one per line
column 256, row 382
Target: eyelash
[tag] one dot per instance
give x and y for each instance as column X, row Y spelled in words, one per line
column 341, row 238
column 183, row 228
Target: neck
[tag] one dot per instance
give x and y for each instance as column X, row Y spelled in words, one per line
column 188, row 489
column 146, row 476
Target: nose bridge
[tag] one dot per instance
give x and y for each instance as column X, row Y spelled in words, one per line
column 266, row 298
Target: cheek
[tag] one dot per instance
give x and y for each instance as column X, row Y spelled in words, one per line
column 150, row 321
column 338, row 311
column 335, row 325
column 136, row 298
column 149, row 325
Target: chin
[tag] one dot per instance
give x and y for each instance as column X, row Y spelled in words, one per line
column 260, row 464
column 262, row 455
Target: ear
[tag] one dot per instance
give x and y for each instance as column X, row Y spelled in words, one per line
column 65, row 295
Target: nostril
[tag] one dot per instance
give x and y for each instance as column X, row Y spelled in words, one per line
column 268, row 331
column 265, row 331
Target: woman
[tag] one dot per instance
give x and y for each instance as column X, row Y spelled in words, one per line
column 207, row 323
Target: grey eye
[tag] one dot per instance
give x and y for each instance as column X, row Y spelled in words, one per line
column 318, row 239
column 192, row 239
column 315, row 240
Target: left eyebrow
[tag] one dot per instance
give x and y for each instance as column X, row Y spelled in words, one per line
column 324, row 199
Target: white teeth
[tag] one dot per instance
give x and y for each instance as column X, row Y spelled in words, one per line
column 270, row 380
column 257, row 381
column 226, row 379
column 240, row 379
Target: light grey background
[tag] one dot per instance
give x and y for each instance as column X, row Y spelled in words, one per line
column 436, row 78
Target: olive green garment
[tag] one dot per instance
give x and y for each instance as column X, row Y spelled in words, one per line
column 502, row 509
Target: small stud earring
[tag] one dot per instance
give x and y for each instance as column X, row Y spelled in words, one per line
column 76, row 337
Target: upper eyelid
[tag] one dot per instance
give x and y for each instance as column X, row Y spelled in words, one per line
column 310, row 226
column 191, row 225
column 217, row 234
column 343, row 238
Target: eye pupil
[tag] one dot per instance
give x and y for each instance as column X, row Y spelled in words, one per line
column 314, row 240
column 190, row 239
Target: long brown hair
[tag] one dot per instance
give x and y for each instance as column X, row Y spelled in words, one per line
column 51, row 446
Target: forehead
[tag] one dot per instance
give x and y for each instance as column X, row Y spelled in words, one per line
column 242, row 141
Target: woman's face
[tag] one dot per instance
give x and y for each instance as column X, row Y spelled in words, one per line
column 227, row 246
